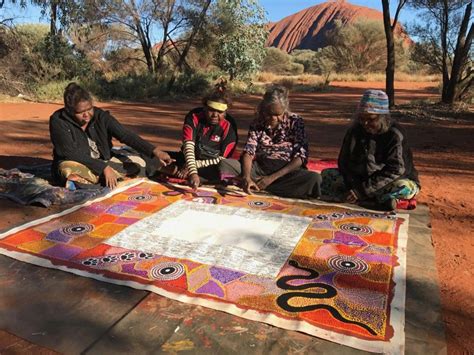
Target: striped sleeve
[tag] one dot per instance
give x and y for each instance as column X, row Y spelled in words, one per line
column 208, row 162
column 190, row 157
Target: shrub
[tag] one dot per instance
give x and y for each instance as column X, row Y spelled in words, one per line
column 306, row 57
column 52, row 91
column 276, row 61
column 266, row 77
column 279, row 62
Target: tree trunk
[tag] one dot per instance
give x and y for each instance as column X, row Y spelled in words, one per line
column 166, row 22
column 197, row 27
column 54, row 16
column 444, row 47
column 146, row 47
column 461, row 55
column 182, row 57
column 390, row 69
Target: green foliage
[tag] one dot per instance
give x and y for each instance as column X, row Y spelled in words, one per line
column 56, row 51
column 357, row 48
column 53, row 90
column 276, row 61
column 307, row 58
column 279, row 62
column 29, row 35
column 32, row 58
column 146, row 86
column 240, row 44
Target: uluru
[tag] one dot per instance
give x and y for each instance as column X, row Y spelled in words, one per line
column 307, row 29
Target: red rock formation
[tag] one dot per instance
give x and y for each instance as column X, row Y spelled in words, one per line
column 307, row 29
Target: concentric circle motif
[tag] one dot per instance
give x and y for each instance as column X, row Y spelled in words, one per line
column 348, row 264
column 141, row 197
column 167, row 271
column 356, row 229
column 259, row 204
column 207, row 199
column 77, row 229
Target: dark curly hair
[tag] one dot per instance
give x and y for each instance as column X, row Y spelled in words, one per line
column 73, row 94
column 219, row 94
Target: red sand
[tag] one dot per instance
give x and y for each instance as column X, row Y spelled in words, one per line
column 443, row 155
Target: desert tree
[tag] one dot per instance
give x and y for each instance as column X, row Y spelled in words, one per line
column 143, row 19
column 195, row 15
column 356, row 47
column 445, row 44
column 241, row 36
column 136, row 18
column 65, row 12
column 389, row 27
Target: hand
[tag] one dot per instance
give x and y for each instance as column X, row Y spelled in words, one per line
column 351, row 197
column 194, row 181
column 182, row 173
column 248, row 184
column 264, row 181
column 111, row 177
column 163, row 157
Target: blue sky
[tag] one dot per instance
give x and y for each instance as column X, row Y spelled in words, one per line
column 276, row 9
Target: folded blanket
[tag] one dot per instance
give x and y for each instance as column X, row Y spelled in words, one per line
column 27, row 189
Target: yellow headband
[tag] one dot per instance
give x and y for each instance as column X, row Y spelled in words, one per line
column 219, row 106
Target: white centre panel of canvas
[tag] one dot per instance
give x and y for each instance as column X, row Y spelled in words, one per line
column 255, row 242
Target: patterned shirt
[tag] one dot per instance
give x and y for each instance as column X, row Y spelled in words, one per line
column 287, row 141
column 220, row 138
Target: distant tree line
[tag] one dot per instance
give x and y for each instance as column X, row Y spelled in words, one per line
column 118, row 46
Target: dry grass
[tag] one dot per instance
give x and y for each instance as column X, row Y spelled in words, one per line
column 312, row 79
column 300, row 83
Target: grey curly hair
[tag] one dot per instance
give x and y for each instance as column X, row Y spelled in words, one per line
column 276, row 95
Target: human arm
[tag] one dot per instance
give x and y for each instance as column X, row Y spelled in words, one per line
column 299, row 139
column 111, row 177
column 247, row 182
column 129, row 138
column 191, row 166
column 343, row 160
column 299, row 154
column 67, row 145
column 393, row 167
column 294, row 164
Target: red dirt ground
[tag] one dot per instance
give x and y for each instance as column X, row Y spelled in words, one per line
column 443, row 154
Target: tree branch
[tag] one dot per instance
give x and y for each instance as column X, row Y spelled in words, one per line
column 401, row 3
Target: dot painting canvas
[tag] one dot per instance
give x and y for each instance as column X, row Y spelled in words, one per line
column 326, row 270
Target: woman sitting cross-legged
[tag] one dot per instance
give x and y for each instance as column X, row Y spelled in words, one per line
column 209, row 135
column 82, row 145
column 275, row 155
column 375, row 162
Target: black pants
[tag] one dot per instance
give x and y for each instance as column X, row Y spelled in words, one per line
column 299, row 183
column 207, row 174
